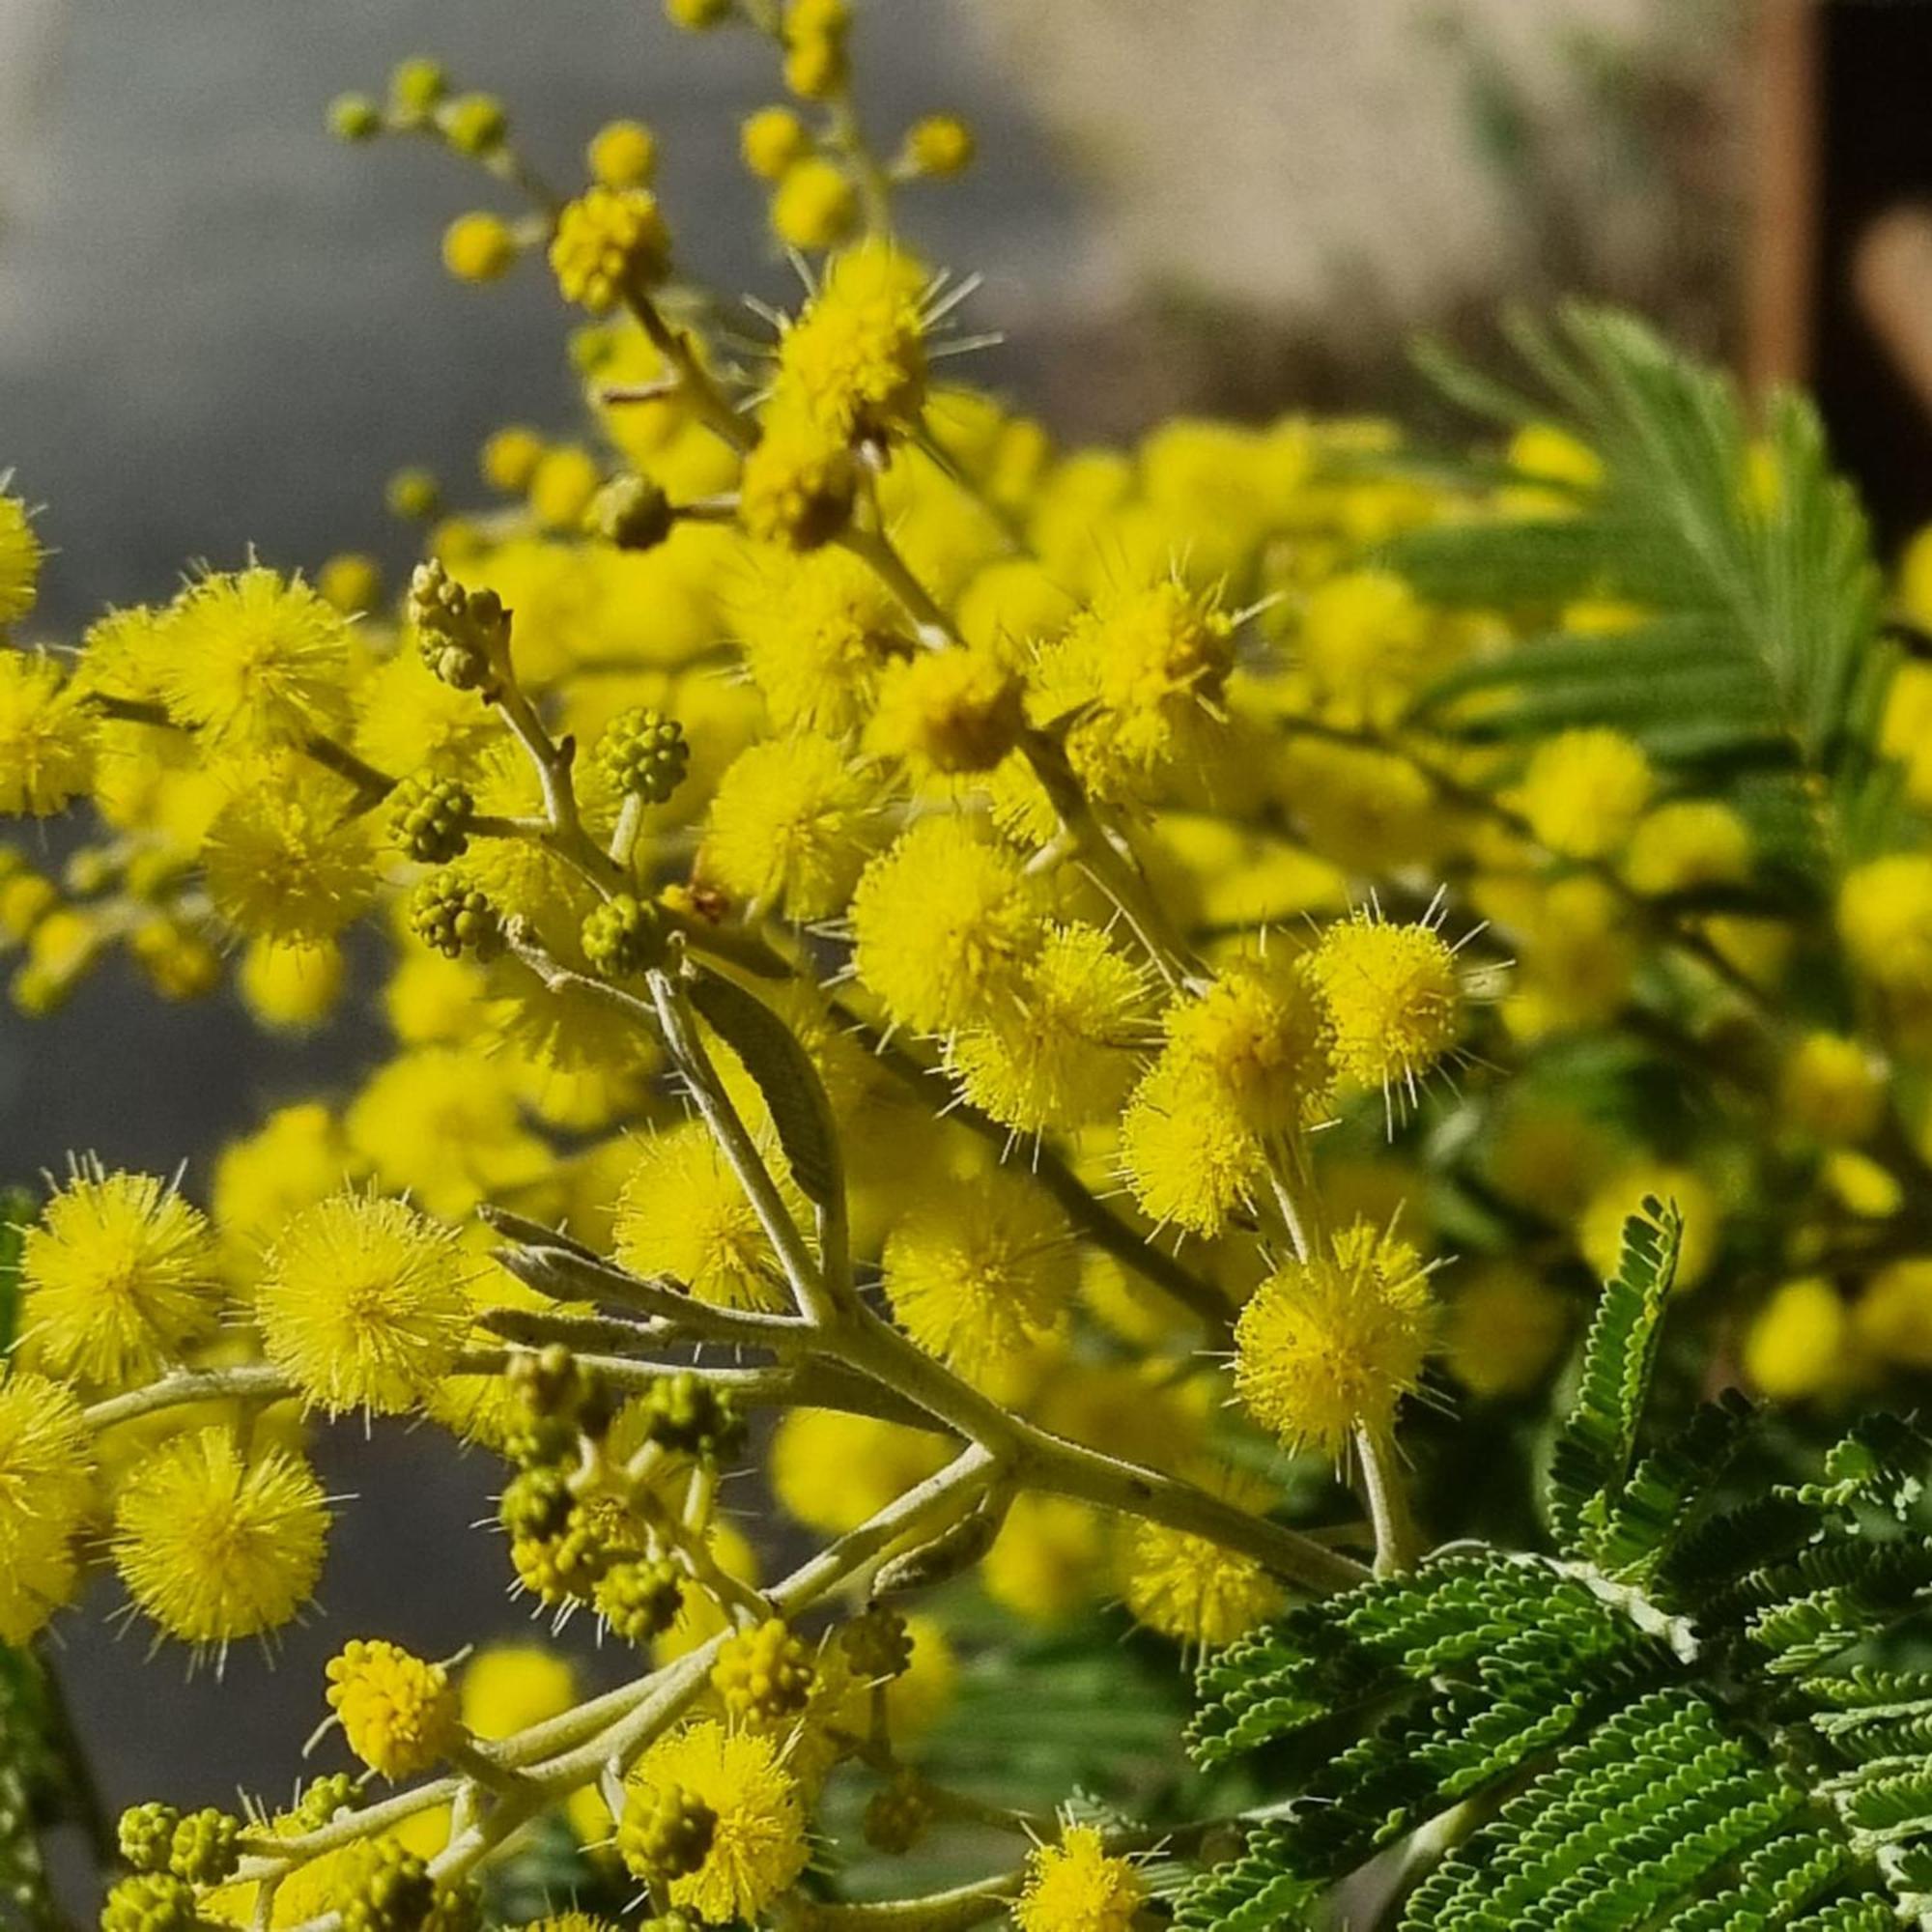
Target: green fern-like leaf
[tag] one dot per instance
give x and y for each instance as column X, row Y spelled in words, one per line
column 1593, row 1451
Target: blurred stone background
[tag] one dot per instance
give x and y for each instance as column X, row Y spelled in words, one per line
column 218, row 328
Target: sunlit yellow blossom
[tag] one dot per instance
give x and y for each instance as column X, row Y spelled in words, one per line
column 256, row 659
column 46, row 751
column 1077, row 1886
column 1057, row 1053
column 798, row 481
column 1884, row 917
column 120, row 1276
column 978, row 1271
column 214, row 1544
column 45, row 1493
column 832, row 1470
column 1130, row 681
column 1259, row 1037
column 792, row 827
column 362, row 1303
column 398, row 1712
column 684, row 1213
column 1362, row 639
column 1584, row 791
column 290, row 988
column 815, row 631
column 943, row 922
column 856, row 358
column 608, row 241
column 1796, row 1343
column 283, row 861
column 1045, row 1562
column 759, row 1844
column 1690, row 842
column 1394, row 999
column 1891, row 1318
column 1185, row 1151
column 947, row 711
column 21, row 556
column 1330, row 1346
column 511, row 1686
column 1192, row 1590
column 815, row 204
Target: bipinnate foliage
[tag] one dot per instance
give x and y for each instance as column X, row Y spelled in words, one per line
column 1759, row 653
column 1674, row 1718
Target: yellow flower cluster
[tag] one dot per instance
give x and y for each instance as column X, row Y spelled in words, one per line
column 1040, row 1021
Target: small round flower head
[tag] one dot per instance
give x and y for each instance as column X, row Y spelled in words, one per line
column 256, row 659
column 398, row 1712
column 21, row 556
column 1058, row 1053
column 508, row 1686
column 1190, row 1158
column 1884, row 917
column 622, row 153
column 1133, row 672
column 665, row 1832
column 1796, row 1346
column 789, row 827
column 1259, row 1037
column 1891, row 1318
column 1832, row 1087
column 1689, row 842
column 363, row 1304
column 683, row 1214
column 771, row 140
column 1363, row 637
column 1195, row 1591
column 1394, row 999
column 479, row 247
column 759, row 1844
column 855, row 359
column 943, row 922
column 1077, row 1886
column 45, row 1493
column 214, row 1545
column 1329, row 1346
column 608, row 240
column 816, row 205
column 814, row 630
column 947, row 711
column 798, row 482
column 150, row 1902
column 938, row 146
column 978, row 1271
column 281, row 859
column 832, row 1471
column 290, row 988
column 120, row 1276
column 1584, row 792
column 46, row 734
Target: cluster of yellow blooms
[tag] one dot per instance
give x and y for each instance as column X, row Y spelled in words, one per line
column 950, row 922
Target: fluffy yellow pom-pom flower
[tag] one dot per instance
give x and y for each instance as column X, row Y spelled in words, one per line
column 284, row 860
column 814, row 630
column 798, row 482
column 979, row 1271
column 21, row 556
column 1188, row 1155
column 947, row 711
column 1057, row 1054
column 1394, row 997
column 1796, row 1344
column 1258, row 1037
column 1196, row 1591
column 255, row 659
column 832, row 1470
column 856, row 358
column 1584, row 791
column 398, row 1712
column 216, row 1545
column 942, row 922
column 758, row 1845
column 509, row 1686
column 120, row 1275
column 46, row 750
column 1330, row 1346
column 790, row 827
column 683, row 1214
column 1884, row 917
column 1077, row 1886
column 45, row 1491
column 363, row 1304
column 816, row 205
column 1832, row 1087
